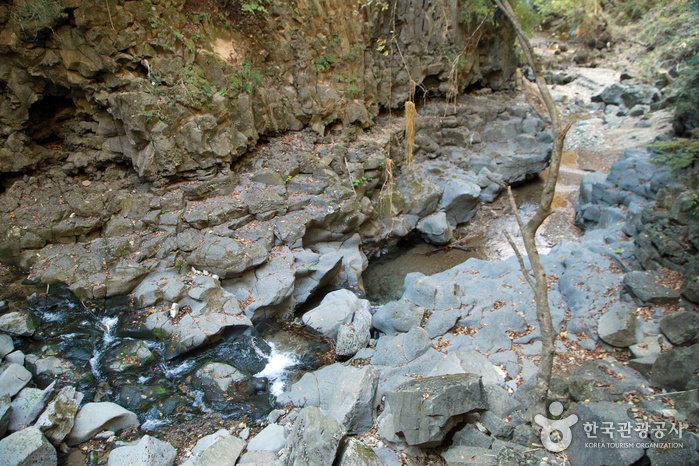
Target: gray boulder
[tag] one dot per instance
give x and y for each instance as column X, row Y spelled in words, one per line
column 355, row 453
column 424, row 410
column 258, row 458
column 27, row 447
column 682, row 328
column 5, row 412
column 148, row 451
column 472, row 456
column 27, row 406
column 217, row 374
column 6, row 345
column 344, row 393
column 598, row 414
column 223, row 450
column 226, row 257
column 474, row 362
column 435, row 229
column 460, row 200
column 353, row 336
column 19, row 323
column 617, row 326
column 605, row 380
column 129, row 356
column 58, row 418
column 96, row 417
column 314, row 439
column 336, row 309
column 397, row 350
column 397, row 316
column 677, row 369
column 646, row 289
column 271, row 438
column 13, row 379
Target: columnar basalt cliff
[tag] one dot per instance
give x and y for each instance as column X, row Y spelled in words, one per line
column 180, row 89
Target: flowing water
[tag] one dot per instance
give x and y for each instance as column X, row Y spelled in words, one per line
column 83, row 345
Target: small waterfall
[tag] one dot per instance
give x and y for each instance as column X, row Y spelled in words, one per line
column 276, row 370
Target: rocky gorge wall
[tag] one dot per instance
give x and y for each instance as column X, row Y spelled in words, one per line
column 180, row 89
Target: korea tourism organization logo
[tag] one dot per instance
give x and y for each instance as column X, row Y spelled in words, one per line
column 557, row 435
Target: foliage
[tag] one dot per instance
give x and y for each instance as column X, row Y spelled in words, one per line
column 254, row 6
column 484, row 11
column 34, row 16
column 245, row 79
column 682, row 154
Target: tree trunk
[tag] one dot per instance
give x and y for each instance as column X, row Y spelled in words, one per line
column 539, row 283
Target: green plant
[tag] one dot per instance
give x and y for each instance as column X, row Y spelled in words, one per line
column 254, row 6
column 325, row 62
column 34, row 16
column 353, row 91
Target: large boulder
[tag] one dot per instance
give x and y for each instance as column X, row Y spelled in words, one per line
column 617, row 326
column 602, row 414
column 219, row 448
column 28, row 447
column 355, row 453
column 19, row 323
column 148, row 451
column 13, row 379
column 646, row 289
column 271, row 438
column 424, row 410
column 677, row 369
column 58, row 418
column 314, row 439
column 344, row 393
column 435, row 229
column 6, row 345
column 681, row 328
column 397, row 316
column 353, row 336
column 336, row 309
column 96, row 417
column 28, row 405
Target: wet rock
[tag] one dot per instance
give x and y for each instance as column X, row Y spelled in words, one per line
column 344, row 393
column 424, row 410
column 19, row 323
column 218, row 374
column 96, row 417
column 13, row 378
column 682, row 328
column 646, row 289
column 618, row 325
column 26, row 448
column 352, row 337
column 130, row 356
column 397, row 316
column 58, row 418
column 336, row 309
column 598, row 414
column 271, row 438
column 28, row 405
column 6, row 345
column 677, row 369
column 355, row 453
column 148, row 450
column 435, row 229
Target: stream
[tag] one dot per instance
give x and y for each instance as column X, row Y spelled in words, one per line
column 97, row 357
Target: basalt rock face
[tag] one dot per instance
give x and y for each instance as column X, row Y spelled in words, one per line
column 180, row 88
